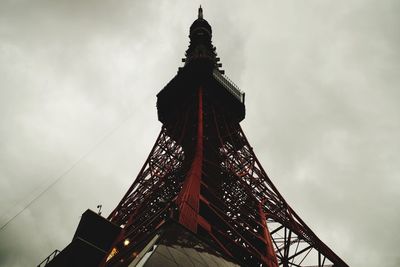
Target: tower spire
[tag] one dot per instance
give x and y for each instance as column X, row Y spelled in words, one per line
column 200, row 16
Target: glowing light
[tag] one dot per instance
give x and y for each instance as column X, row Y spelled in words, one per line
column 126, row 242
column 113, row 252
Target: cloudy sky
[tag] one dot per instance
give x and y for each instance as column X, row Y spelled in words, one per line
column 78, row 81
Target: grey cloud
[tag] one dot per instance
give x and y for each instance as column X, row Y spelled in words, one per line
column 321, row 81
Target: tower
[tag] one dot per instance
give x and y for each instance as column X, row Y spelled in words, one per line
column 203, row 183
column 202, row 197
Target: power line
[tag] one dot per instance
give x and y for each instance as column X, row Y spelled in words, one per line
column 106, row 136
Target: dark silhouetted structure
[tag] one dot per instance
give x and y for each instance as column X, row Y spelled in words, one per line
column 202, row 197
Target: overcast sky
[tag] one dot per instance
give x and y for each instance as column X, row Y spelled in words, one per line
column 78, row 85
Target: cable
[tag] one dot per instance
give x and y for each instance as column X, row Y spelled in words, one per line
column 107, row 135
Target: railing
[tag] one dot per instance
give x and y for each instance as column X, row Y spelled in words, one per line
column 49, row 258
column 229, row 85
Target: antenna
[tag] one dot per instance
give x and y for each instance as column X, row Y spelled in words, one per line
column 99, row 207
column 200, row 12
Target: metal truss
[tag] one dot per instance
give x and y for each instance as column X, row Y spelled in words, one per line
column 294, row 242
column 203, row 173
column 147, row 204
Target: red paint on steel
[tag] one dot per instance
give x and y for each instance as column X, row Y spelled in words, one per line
column 270, row 257
column 188, row 199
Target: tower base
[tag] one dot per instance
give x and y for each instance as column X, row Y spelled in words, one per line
column 173, row 245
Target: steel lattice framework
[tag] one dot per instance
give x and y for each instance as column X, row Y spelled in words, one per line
column 203, row 173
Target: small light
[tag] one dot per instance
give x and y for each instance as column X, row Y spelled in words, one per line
column 126, row 242
column 112, row 254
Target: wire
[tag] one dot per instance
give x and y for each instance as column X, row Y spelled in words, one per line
column 67, row 171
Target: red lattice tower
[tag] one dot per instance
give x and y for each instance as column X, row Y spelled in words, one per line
column 202, row 173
